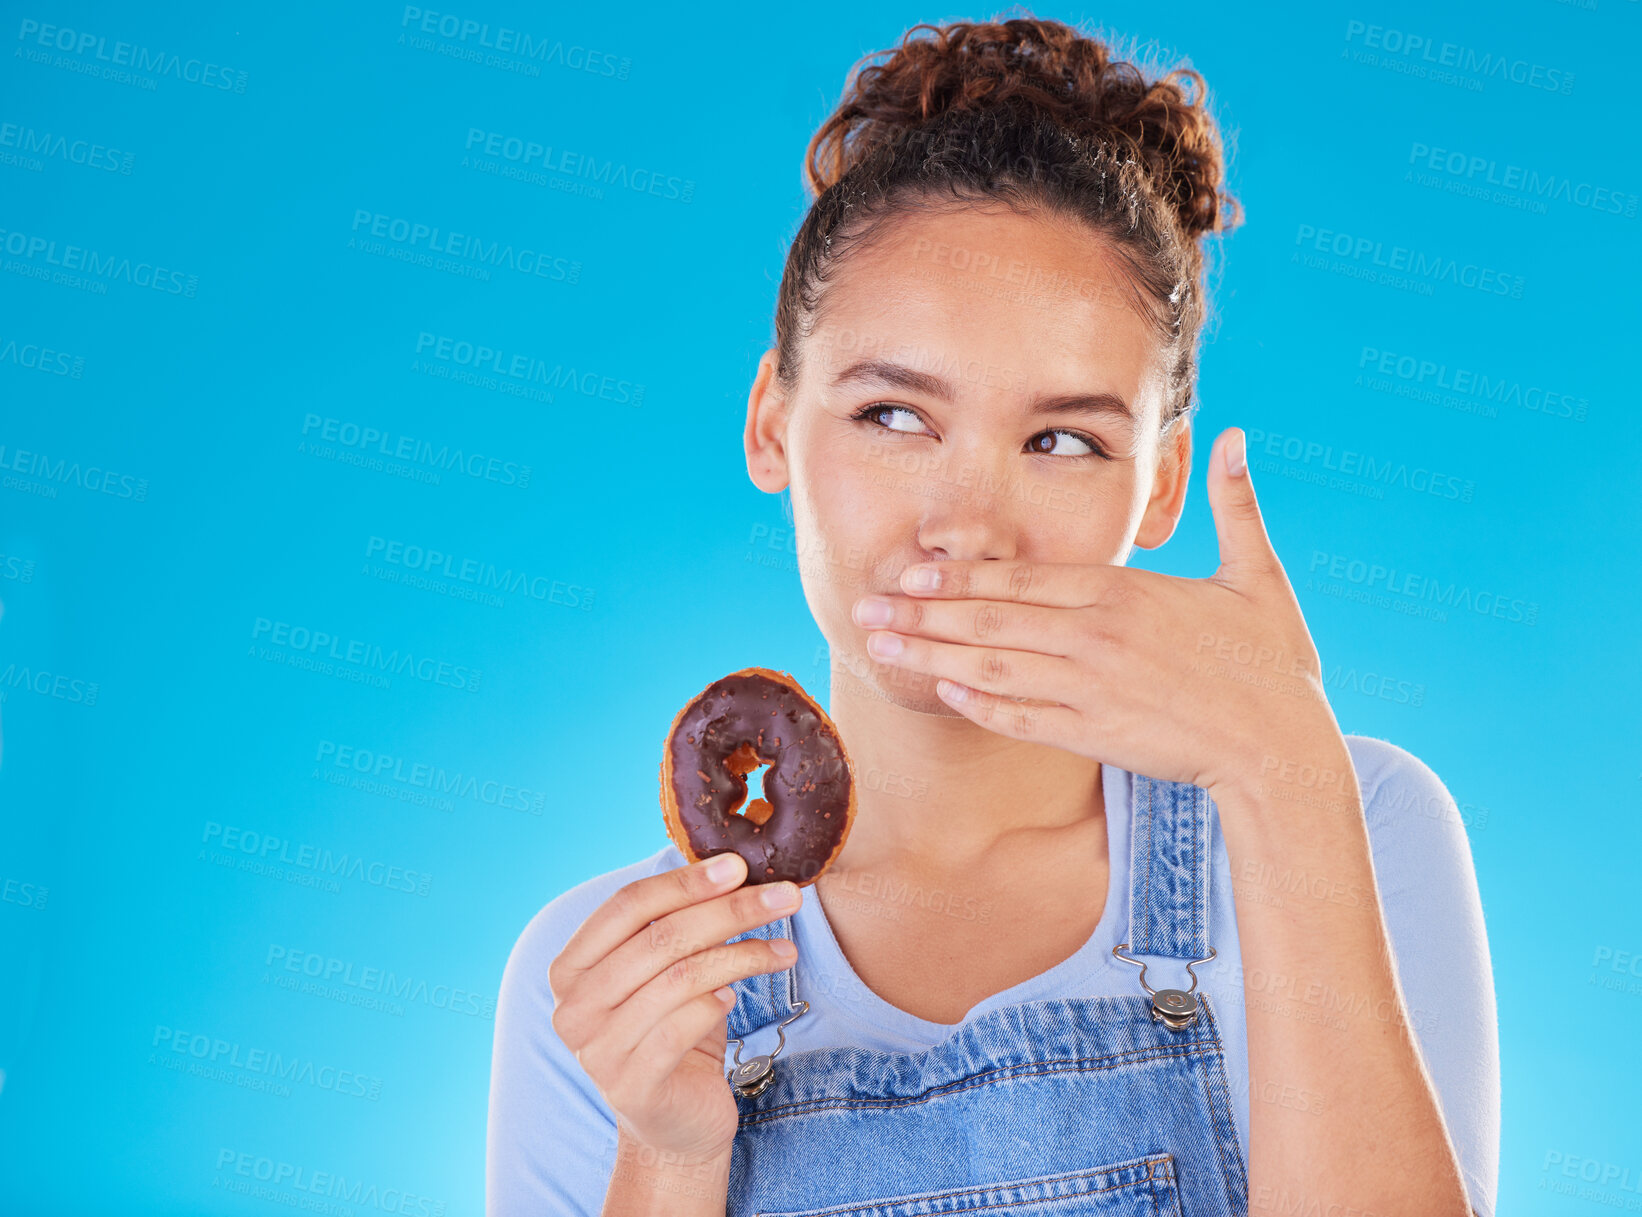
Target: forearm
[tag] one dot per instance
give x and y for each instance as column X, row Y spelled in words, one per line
column 647, row 1184
column 1326, row 1018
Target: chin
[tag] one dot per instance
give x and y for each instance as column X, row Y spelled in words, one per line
column 914, row 691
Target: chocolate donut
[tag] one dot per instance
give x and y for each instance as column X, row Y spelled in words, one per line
column 750, row 718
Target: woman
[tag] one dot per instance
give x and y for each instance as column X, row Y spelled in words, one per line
column 980, row 399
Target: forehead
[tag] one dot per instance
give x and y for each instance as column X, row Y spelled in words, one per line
column 1022, row 299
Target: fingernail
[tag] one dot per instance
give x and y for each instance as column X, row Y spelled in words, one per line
column 884, row 646
column 725, row 994
column 1236, row 462
column 779, row 896
column 783, row 949
column 924, row 579
column 723, row 868
column 873, row 610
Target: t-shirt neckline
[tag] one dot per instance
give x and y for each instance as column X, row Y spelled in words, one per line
column 820, row 947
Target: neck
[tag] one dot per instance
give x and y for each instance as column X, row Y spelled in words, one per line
column 935, row 790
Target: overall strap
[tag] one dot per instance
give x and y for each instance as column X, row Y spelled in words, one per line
column 768, row 997
column 1169, row 870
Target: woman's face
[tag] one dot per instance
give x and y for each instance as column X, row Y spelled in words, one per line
column 978, row 386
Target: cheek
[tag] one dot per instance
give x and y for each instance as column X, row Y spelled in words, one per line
column 841, row 521
column 829, row 482
column 1086, row 518
column 1120, row 508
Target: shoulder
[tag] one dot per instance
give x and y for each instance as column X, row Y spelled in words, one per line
column 544, row 936
column 1380, row 761
column 1422, row 852
column 1410, row 812
column 1427, row 886
column 1423, row 867
column 1382, row 764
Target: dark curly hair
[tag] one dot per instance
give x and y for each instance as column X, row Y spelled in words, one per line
column 1034, row 114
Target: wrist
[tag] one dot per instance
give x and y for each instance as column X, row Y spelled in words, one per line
column 1313, row 771
column 650, row 1182
column 701, row 1163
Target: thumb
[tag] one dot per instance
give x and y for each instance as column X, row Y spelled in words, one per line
column 1245, row 550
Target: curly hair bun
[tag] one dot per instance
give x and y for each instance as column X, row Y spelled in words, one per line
column 1055, row 73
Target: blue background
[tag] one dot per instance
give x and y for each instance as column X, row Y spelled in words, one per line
column 150, row 714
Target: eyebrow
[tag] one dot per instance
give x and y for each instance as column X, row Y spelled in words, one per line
column 883, row 371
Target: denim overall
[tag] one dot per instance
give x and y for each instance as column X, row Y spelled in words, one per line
column 1057, row 1108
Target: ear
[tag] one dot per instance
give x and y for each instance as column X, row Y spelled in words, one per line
column 766, row 433
column 1174, row 466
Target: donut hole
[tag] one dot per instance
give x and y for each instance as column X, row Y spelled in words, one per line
column 745, row 763
column 757, row 810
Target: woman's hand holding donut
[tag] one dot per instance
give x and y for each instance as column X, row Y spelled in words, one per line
column 637, row 998
column 1207, row 681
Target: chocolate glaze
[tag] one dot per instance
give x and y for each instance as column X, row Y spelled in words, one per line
column 732, row 727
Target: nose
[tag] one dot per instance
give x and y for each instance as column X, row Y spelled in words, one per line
column 967, row 524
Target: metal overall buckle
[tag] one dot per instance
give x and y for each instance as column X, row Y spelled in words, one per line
column 1175, row 1008
column 750, row 1078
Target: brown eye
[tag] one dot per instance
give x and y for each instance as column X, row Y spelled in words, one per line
column 1044, row 444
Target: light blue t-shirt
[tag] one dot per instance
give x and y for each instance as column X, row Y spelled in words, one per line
column 552, row 1138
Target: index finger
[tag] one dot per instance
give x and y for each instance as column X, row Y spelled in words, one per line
column 632, row 907
column 1053, row 584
